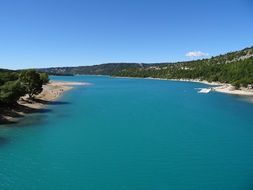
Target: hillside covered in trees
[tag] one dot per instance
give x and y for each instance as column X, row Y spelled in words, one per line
column 103, row 69
column 235, row 68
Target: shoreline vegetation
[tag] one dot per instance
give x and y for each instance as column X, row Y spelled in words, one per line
column 52, row 91
column 23, row 103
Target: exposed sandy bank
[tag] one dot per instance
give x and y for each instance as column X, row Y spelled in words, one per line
column 218, row 87
column 229, row 89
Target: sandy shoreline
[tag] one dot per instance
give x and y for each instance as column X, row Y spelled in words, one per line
column 51, row 92
column 216, row 86
column 223, row 88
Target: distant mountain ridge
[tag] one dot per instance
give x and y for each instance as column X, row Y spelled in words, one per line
column 4, row 70
column 102, row 69
column 233, row 67
column 109, row 68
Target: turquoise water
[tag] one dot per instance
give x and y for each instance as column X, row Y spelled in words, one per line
column 131, row 134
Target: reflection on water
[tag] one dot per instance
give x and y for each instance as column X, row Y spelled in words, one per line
column 31, row 120
column 33, row 116
column 248, row 99
column 45, row 102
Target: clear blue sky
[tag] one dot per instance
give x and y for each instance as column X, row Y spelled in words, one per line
column 48, row 33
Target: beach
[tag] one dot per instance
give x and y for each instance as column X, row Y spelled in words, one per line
column 51, row 92
column 222, row 87
column 229, row 89
column 217, row 86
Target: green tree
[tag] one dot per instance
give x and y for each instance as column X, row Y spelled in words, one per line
column 44, row 77
column 32, row 82
column 11, row 91
column 8, row 76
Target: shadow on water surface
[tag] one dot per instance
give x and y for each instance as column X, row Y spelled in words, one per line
column 31, row 120
column 3, row 141
column 4, row 121
column 26, row 121
column 50, row 102
column 16, row 112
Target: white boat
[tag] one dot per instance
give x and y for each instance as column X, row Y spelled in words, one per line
column 205, row 90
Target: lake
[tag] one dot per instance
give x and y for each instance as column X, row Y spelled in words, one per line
column 131, row 134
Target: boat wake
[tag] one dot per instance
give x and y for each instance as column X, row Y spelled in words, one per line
column 204, row 90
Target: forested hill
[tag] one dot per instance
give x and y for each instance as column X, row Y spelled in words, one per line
column 4, row 70
column 103, row 69
column 234, row 67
